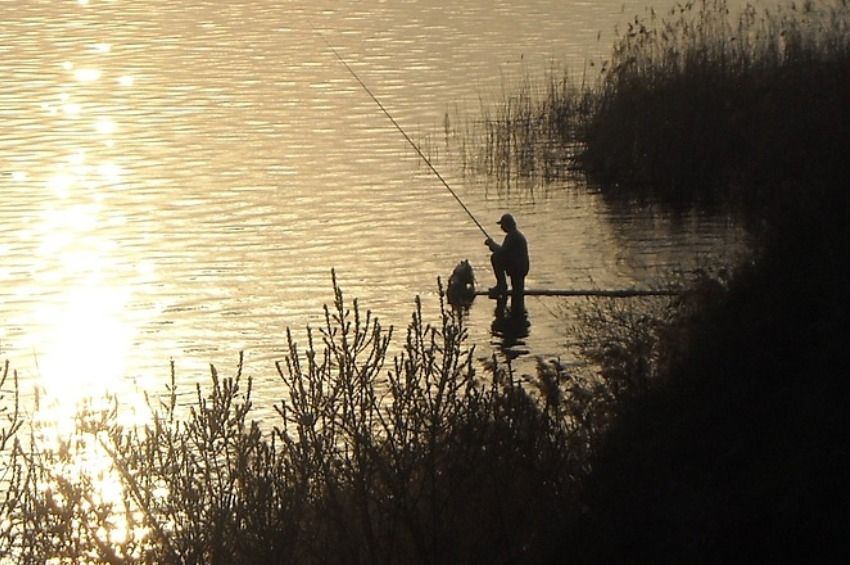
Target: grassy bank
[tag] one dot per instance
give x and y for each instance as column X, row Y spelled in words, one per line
column 711, row 432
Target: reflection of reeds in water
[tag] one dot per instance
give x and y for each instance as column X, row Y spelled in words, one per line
column 526, row 137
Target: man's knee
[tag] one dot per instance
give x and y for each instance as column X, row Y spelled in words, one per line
column 496, row 262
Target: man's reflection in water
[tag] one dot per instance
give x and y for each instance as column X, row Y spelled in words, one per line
column 510, row 327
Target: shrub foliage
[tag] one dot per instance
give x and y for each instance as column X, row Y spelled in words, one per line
column 414, row 459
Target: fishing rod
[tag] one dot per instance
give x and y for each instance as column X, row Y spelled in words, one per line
column 401, row 130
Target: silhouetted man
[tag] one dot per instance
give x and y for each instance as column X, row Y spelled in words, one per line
column 509, row 260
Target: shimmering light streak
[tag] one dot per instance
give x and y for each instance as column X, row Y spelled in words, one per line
column 87, row 75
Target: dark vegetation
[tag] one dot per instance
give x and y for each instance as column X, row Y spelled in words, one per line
column 734, row 444
column 701, row 106
column 706, row 105
column 715, row 429
column 737, row 446
column 740, row 450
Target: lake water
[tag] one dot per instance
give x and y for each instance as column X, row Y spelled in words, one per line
column 179, row 178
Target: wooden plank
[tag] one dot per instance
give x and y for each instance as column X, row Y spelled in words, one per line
column 620, row 293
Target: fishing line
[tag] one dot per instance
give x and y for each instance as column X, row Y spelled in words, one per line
column 399, row 128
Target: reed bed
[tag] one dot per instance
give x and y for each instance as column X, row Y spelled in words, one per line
column 703, row 103
column 525, row 138
column 696, row 105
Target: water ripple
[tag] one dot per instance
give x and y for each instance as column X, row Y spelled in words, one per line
column 215, row 162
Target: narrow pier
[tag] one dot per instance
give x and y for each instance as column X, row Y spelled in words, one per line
column 620, row 293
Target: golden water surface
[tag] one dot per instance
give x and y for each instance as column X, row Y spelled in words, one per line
column 179, row 178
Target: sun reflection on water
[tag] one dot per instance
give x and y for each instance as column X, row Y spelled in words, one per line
column 82, row 331
column 87, row 327
column 87, row 75
column 86, row 336
column 87, row 330
column 88, row 342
